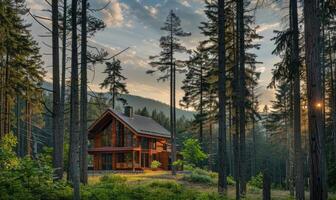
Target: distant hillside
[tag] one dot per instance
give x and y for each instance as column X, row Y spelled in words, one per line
column 140, row 102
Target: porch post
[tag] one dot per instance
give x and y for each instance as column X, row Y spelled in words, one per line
column 140, row 159
column 133, row 160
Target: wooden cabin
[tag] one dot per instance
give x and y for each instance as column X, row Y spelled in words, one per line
column 126, row 141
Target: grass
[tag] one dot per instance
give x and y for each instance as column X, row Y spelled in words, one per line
column 154, row 176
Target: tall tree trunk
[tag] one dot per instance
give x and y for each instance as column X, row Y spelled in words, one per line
column 210, row 146
column 62, row 100
column 172, row 122
column 174, row 109
column 333, row 97
column 83, row 125
column 298, row 161
column 201, row 106
column 28, row 128
column 74, row 108
column 57, row 145
column 266, row 182
column 241, row 61
column 254, row 163
column 316, row 131
column 6, row 126
column 222, row 183
column 231, row 170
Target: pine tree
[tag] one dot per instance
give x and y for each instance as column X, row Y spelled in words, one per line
column 166, row 64
column 114, row 81
column 195, row 87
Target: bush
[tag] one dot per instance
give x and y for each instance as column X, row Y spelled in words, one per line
column 192, row 152
column 201, row 176
column 155, row 164
column 25, row 178
column 256, row 181
column 230, row 180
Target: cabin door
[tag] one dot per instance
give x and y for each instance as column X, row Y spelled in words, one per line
column 106, row 161
column 144, row 160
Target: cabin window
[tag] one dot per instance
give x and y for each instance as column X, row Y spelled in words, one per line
column 106, row 161
column 144, row 160
column 144, row 143
column 106, row 139
column 153, row 143
column 120, row 137
column 136, row 157
column 165, row 147
column 121, row 157
column 128, row 137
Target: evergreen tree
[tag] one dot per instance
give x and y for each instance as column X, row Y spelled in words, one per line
column 114, row 81
column 167, row 64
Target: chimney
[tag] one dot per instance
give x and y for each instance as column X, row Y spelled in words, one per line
column 129, row 111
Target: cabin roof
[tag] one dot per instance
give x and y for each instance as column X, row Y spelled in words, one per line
column 140, row 124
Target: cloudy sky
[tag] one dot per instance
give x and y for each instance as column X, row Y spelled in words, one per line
column 136, row 24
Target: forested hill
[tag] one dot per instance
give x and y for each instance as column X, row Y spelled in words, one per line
column 140, row 102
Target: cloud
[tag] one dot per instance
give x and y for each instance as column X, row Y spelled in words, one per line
column 114, row 14
column 185, row 3
column 268, row 26
column 153, row 11
column 261, row 69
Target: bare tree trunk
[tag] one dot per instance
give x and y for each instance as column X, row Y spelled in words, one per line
column 222, row 183
column 172, row 122
column 57, row 145
column 242, row 84
column 295, row 63
column 210, row 146
column 333, row 97
column 254, row 163
column 316, row 131
column 83, row 109
column 266, row 183
column 201, row 106
column 231, row 170
column 74, row 109
column 62, row 101
column 174, row 109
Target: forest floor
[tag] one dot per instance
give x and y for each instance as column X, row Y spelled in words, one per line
column 150, row 176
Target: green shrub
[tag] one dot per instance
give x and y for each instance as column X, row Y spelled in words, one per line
column 25, row 178
column 230, row 180
column 155, row 164
column 256, row 181
column 192, row 152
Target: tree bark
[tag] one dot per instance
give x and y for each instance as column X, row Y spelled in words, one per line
column 62, row 101
column 57, row 145
column 74, row 108
column 295, row 65
column 266, row 183
column 316, row 130
column 333, row 96
column 222, row 183
column 83, row 108
column 172, row 122
column 242, row 95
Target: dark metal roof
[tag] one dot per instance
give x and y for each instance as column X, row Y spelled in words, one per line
column 143, row 125
column 140, row 124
